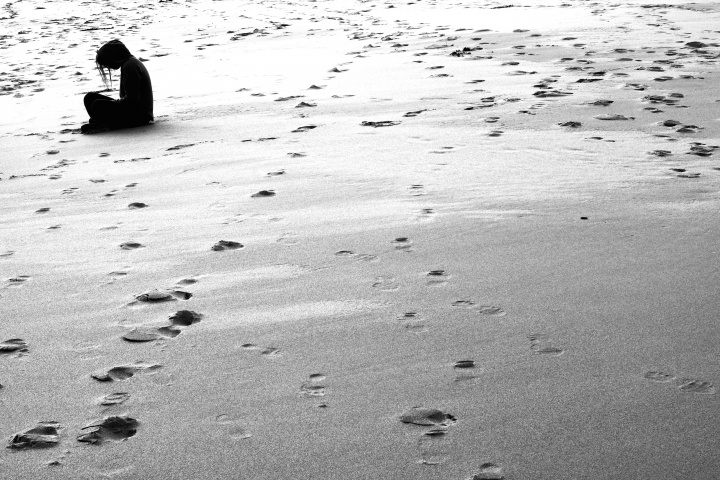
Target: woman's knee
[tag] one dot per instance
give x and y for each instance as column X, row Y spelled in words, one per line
column 89, row 99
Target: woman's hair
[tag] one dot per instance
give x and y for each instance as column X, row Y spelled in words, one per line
column 109, row 54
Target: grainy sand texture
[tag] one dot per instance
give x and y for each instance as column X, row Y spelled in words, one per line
column 457, row 240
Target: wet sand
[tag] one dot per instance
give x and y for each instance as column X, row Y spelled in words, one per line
column 418, row 240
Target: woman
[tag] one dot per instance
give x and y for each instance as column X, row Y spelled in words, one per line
column 135, row 106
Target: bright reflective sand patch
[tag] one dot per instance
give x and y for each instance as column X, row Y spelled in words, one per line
column 298, row 312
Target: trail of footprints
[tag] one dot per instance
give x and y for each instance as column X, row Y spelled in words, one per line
column 686, row 384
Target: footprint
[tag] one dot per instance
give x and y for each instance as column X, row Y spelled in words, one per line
column 434, row 446
column 427, row 417
column 288, row 239
column 314, row 387
column 112, row 399
column 304, row 129
column 13, row 345
column 263, row 194
column 425, row 214
column 601, row 103
column 437, row 278
column 481, row 309
column 385, row 283
column 412, row 322
column 490, row 310
column 660, row 377
column 157, row 296
column 185, row 318
column 415, row 113
column 137, row 205
column 463, row 303
column 403, row 243
column 488, row 471
column 660, row 153
column 43, row 435
column 226, row 245
column 417, row 190
column 380, row 123
column 692, row 385
column 443, row 150
column 612, row 116
column 266, row 351
column 231, row 424
column 466, row 370
column 18, row 281
column 540, row 344
column 110, row 428
column 123, row 372
column 131, row 245
column 179, row 147
column 150, row 334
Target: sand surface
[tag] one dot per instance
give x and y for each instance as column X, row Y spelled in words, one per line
column 503, row 214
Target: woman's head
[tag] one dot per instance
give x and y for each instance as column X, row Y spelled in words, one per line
column 111, row 55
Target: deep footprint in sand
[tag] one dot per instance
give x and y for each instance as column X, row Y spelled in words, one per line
column 43, row 435
column 185, row 318
column 13, row 345
column 131, row 245
column 540, row 344
column 123, row 372
column 226, row 245
column 691, row 385
column 263, row 194
column 115, row 428
column 437, row 278
column 427, row 417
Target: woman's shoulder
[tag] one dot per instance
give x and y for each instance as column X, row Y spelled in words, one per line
column 133, row 63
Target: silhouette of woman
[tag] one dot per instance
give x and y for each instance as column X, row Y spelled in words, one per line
column 135, row 106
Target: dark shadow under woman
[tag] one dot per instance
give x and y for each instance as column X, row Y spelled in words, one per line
column 135, row 106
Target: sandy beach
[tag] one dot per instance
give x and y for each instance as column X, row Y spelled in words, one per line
column 463, row 240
